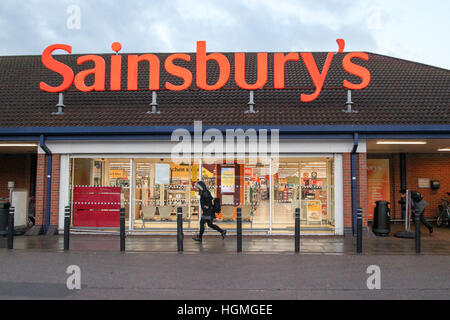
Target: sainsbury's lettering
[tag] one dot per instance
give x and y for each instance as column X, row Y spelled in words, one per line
column 171, row 65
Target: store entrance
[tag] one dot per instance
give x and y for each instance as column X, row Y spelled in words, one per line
column 151, row 190
column 305, row 183
column 243, row 185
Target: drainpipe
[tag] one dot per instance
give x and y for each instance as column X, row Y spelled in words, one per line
column 49, row 181
column 402, row 171
column 353, row 173
column 402, row 179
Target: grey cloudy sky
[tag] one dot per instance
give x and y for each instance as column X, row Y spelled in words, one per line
column 409, row 29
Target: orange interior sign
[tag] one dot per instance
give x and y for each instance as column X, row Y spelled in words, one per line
column 378, row 182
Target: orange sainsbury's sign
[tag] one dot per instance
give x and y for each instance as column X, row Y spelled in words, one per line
column 279, row 60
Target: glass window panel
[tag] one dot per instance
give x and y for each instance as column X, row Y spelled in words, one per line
column 305, row 183
column 162, row 186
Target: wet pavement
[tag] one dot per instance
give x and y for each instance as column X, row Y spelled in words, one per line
column 267, row 268
column 436, row 244
column 149, row 275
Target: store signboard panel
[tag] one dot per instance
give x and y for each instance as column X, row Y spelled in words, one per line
column 237, row 64
column 178, row 171
column 378, row 182
column 227, row 180
column 116, row 173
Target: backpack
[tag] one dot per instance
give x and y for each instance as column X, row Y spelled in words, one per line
column 216, row 205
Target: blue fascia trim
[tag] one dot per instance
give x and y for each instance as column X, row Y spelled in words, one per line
column 19, row 138
column 405, row 136
column 346, row 136
column 167, row 137
column 159, row 130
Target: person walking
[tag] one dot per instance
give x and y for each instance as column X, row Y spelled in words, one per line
column 208, row 214
column 418, row 206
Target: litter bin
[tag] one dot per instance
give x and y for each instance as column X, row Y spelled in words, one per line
column 381, row 219
column 4, row 216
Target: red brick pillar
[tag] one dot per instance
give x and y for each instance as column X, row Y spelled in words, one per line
column 361, row 188
column 41, row 180
column 347, row 177
column 54, row 208
column 362, row 185
column 41, row 189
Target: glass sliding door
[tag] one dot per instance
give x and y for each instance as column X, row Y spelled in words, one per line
column 242, row 185
column 286, row 189
column 160, row 188
column 305, row 183
column 256, row 194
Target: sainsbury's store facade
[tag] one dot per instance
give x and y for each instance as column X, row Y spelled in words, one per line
column 104, row 149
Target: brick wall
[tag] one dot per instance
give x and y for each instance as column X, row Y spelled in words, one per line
column 347, row 175
column 54, row 210
column 434, row 167
column 14, row 167
column 41, row 189
column 41, row 173
column 362, row 185
column 361, row 164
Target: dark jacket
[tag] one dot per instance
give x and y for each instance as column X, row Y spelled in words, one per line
column 206, row 202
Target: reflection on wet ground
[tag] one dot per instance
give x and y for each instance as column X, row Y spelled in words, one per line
column 251, row 244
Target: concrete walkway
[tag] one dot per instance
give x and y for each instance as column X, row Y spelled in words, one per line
column 335, row 245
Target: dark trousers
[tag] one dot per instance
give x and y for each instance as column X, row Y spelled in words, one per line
column 210, row 224
column 425, row 222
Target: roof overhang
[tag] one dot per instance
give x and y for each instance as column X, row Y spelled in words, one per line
column 437, row 131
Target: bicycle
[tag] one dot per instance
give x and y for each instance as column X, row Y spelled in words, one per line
column 443, row 218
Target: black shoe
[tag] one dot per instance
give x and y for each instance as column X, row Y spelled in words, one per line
column 224, row 233
column 431, row 230
column 197, row 238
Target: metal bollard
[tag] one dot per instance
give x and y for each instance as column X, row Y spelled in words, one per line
column 180, row 234
column 11, row 228
column 122, row 229
column 66, row 227
column 297, row 229
column 239, row 229
column 359, row 230
column 418, row 233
